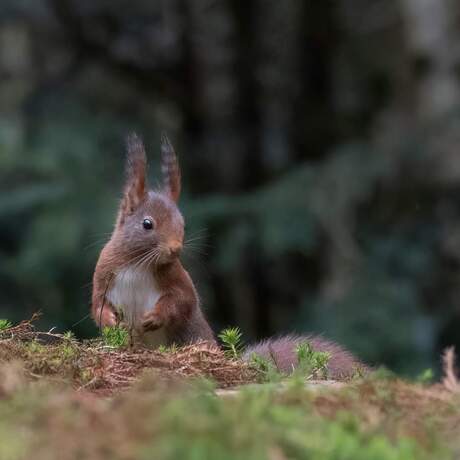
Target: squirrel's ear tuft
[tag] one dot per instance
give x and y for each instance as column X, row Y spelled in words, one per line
column 170, row 169
column 136, row 170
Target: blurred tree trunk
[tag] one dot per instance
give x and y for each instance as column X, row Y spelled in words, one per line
column 213, row 40
column 434, row 43
column 278, row 47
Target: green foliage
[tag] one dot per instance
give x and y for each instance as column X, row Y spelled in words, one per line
column 35, row 347
column 69, row 335
column 61, row 360
column 190, row 422
column 168, row 348
column 359, row 373
column 116, row 337
column 4, row 324
column 254, row 425
column 13, row 444
column 383, row 373
column 266, row 368
column 310, row 362
column 425, row 377
column 232, row 341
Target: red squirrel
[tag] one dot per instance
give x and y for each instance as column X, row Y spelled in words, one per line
column 139, row 278
column 140, row 281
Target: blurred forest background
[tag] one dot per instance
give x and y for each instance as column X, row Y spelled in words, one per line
column 320, row 146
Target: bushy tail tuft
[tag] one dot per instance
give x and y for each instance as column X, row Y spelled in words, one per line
column 282, row 351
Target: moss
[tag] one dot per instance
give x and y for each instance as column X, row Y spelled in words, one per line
column 115, row 337
column 4, row 324
column 68, row 400
column 171, row 420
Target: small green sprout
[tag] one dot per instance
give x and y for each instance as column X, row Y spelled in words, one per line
column 168, row 348
column 68, row 350
column 425, row 377
column 358, row 373
column 311, row 362
column 266, row 368
column 35, row 347
column 69, row 335
column 232, row 341
column 116, row 337
column 4, row 325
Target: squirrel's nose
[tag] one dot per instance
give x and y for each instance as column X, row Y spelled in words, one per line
column 175, row 247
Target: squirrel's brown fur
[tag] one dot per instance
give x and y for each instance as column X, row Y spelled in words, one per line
column 140, row 264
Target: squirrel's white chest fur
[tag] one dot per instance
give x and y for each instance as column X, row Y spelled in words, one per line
column 133, row 292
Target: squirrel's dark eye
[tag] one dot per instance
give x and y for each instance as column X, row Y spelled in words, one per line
column 147, row 224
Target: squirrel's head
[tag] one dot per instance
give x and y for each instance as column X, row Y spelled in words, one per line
column 150, row 226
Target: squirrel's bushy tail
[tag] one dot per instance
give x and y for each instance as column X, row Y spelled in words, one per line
column 282, row 352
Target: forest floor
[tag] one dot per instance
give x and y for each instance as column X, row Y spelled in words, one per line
column 62, row 399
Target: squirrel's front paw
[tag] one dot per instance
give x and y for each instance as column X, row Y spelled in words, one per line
column 106, row 317
column 152, row 321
